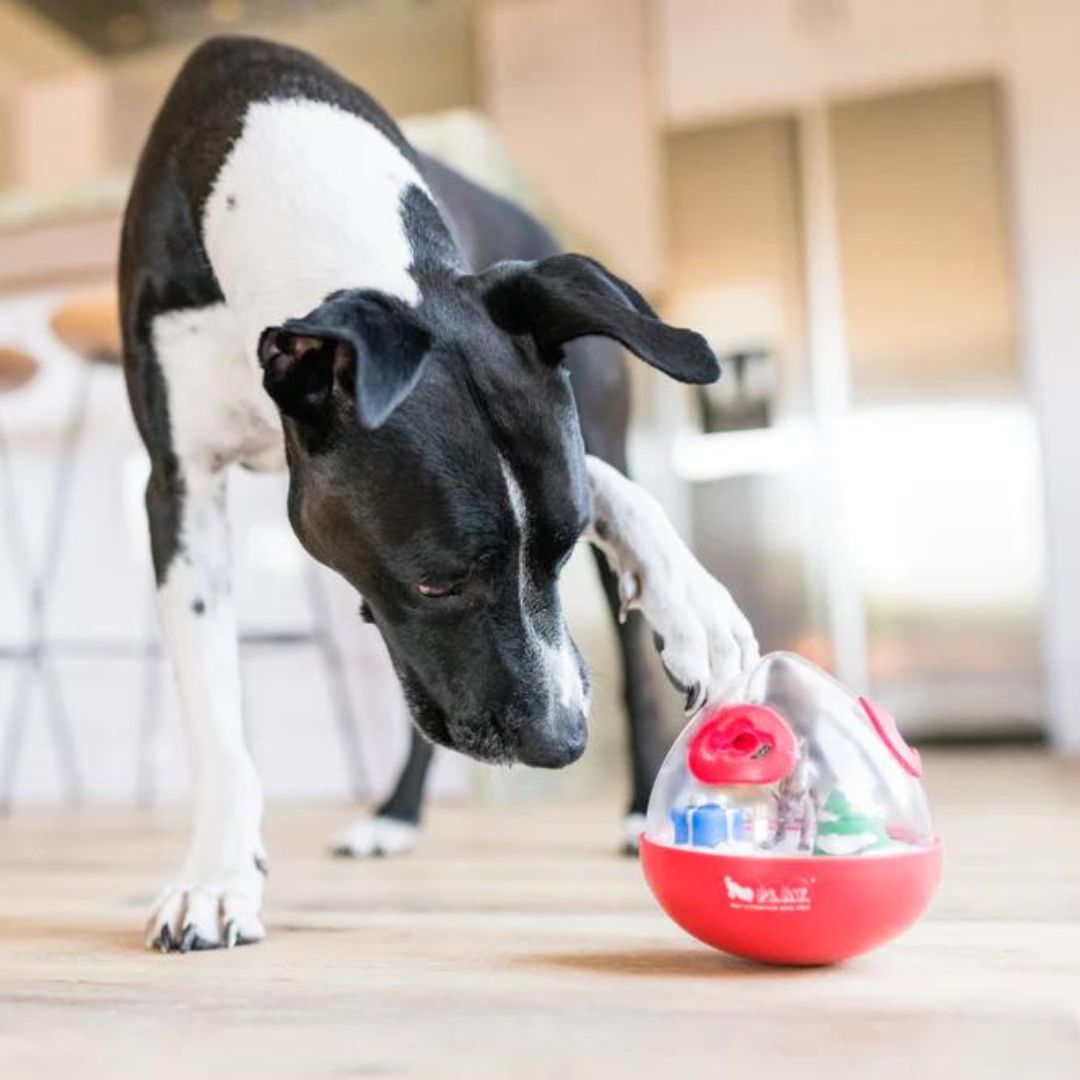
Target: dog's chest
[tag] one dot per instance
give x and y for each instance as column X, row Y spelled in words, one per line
column 307, row 201
column 218, row 410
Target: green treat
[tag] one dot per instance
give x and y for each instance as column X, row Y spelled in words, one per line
column 843, row 830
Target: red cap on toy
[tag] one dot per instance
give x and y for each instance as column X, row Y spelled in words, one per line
column 743, row 744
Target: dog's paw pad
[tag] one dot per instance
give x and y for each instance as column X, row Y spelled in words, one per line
column 368, row 837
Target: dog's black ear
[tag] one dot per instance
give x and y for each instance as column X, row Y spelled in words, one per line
column 298, row 373
column 570, row 296
column 368, row 344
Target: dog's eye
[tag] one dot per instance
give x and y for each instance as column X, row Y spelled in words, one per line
column 438, row 592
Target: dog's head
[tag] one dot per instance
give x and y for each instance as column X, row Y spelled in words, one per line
column 436, row 462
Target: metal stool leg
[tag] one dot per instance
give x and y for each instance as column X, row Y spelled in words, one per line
column 56, row 534
column 57, row 714
column 16, row 536
column 38, row 658
column 16, row 732
column 15, row 728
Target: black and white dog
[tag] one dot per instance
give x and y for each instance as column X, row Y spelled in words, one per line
column 300, row 288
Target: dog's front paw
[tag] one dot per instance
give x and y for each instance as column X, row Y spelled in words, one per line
column 703, row 638
column 370, row 836
column 188, row 918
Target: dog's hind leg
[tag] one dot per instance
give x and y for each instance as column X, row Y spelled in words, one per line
column 395, row 825
column 218, row 896
column 641, row 699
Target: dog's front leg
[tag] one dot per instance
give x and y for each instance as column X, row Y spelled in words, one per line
column 218, row 897
column 703, row 637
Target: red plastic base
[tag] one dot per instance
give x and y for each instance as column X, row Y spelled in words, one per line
column 809, row 910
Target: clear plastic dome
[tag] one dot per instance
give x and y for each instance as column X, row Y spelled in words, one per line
column 788, row 762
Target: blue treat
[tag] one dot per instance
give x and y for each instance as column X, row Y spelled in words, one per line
column 679, row 818
column 708, row 825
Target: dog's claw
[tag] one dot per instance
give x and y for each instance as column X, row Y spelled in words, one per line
column 695, row 699
column 629, row 593
column 672, row 678
column 632, row 827
column 694, row 693
column 188, row 938
column 200, row 918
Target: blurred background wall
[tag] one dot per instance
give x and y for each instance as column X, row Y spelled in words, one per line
column 873, row 211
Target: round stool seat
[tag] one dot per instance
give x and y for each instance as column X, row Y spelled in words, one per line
column 16, row 369
column 89, row 324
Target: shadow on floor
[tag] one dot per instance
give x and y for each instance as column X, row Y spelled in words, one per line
column 661, row 963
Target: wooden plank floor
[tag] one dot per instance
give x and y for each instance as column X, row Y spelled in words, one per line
column 513, row 944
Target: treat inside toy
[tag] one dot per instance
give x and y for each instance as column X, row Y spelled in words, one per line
column 791, row 763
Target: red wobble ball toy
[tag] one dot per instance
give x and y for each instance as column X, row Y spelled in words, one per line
column 789, row 824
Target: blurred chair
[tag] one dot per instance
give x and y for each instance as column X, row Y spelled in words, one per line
column 88, row 327
column 18, row 370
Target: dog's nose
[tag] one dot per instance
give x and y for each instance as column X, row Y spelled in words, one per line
column 556, row 746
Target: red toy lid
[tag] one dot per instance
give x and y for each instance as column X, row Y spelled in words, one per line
column 743, row 744
column 886, row 727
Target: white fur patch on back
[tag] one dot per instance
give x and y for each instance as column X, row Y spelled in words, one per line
column 308, row 201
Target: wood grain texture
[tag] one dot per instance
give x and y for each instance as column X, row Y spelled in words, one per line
column 513, row 944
